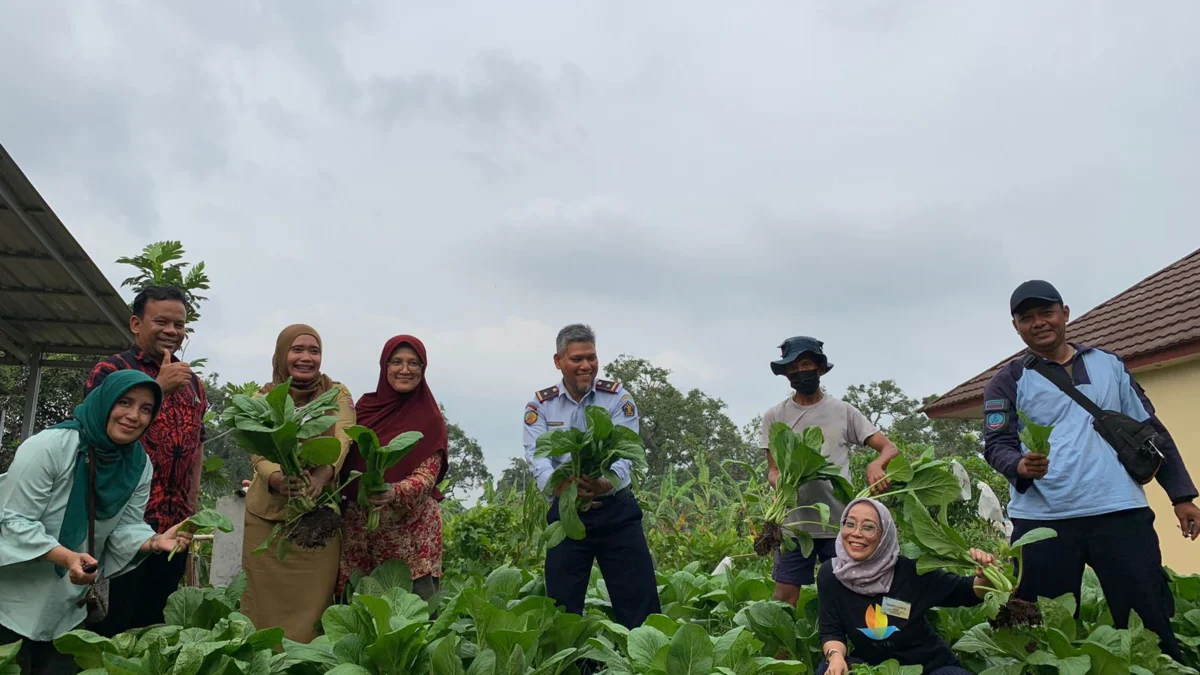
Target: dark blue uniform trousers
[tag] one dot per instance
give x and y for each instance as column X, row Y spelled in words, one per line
column 614, row 539
column 1122, row 548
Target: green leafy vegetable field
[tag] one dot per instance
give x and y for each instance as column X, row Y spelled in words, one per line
column 492, row 616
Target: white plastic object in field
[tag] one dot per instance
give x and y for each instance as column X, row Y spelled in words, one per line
column 964, row 480
column 724, row 566
column 990, row 509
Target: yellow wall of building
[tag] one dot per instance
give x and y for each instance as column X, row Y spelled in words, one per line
column 1175, row 392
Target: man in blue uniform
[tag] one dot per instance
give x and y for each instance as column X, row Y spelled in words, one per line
column 614, row 522
column 1081, row 490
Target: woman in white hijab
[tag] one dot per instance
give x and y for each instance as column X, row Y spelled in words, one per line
column 872, row 597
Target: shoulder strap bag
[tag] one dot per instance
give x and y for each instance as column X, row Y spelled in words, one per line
column 1136, row 443
column 97, row 595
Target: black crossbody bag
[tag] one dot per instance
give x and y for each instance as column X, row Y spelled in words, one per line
column 1136, row 443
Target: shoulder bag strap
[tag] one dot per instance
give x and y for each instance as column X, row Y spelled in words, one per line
column 91, row 501
column 1060, row 380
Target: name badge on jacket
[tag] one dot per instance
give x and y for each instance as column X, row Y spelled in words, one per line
column 896, row 608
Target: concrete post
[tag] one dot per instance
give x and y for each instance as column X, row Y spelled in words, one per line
column 32, row 387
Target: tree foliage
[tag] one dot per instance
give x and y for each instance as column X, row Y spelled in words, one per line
column 516, row 475
column 896, row 414
column 680, row 430
column 468, row 471
column 161, row 264
column 61, row 390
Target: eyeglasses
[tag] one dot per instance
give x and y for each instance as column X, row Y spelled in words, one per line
column 415, row 366
column 868, row 529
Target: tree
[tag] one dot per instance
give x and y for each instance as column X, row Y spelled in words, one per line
column 516, row 474
column 231, row 464
column 678, row 430
column 895, row 413
column 157, row 266
column 61, row 390
column 467, row 469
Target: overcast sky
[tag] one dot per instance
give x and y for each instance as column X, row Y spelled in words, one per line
column 697, row 181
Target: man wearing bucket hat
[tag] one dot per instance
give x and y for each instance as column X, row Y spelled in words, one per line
column 803, row 362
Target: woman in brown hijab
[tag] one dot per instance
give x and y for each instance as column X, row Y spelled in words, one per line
column 294, row 592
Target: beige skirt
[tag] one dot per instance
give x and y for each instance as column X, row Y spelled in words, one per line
column 292, row 593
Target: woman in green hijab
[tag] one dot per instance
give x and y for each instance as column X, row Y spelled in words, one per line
column 45, row 566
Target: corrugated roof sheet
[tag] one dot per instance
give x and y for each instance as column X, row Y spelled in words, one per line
column 1159, row 314
column 43, row 304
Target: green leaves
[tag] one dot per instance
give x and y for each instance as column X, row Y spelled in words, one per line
column 379, row 460
column 321, row 451
column 1034, row 436
column 568, row 512
column 273, row 428
column 1033, row 536
column 205, row 520
column 690, row 652
column 8, row 656
column 799, row 461
column 589, row 454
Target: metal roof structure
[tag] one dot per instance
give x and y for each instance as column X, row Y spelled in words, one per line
column 53, row 298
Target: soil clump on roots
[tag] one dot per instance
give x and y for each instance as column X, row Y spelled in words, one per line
column 1016, row 613
column 315, row 528
column 768, row 540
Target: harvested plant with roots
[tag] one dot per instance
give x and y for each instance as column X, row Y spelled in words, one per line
column 272, row 427
column 799, row 461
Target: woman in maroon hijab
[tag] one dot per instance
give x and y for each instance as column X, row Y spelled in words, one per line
column 410, row 527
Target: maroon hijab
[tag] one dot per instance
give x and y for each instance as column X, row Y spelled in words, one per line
column 389, row 413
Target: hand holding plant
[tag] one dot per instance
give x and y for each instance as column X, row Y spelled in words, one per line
column 799, row 461
column 204, row 521
column 1036, row 438
column 273, row 427
column 944, row 548
column 374, row 491
column 587, row 473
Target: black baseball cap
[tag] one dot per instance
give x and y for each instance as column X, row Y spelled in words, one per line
column 795, row 347
column 1035, row 289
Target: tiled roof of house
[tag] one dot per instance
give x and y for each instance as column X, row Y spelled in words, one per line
column 1156, row 320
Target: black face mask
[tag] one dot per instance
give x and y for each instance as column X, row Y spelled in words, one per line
column 806, row 382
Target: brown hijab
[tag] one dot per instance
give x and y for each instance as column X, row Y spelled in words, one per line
column 301, row 392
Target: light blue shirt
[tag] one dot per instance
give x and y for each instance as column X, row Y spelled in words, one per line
column 553, row 409
column 34, row 600
column 1085, row 476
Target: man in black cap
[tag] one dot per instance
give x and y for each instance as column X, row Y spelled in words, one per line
column 803, row 362
column 1081, row 489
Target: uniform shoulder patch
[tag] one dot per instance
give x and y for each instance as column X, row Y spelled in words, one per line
column 531, row 415
column 995, row 404
column 995, row 421
column 629, row 409
column 546, row 394
column 608, row 386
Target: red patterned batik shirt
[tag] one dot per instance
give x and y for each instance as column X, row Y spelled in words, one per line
column 174, row 442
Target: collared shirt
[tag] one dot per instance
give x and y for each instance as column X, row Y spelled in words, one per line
column 1085, row 477
column 553, row 409
column 174, row 442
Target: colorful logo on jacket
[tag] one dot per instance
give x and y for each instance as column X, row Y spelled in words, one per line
column 877, row 624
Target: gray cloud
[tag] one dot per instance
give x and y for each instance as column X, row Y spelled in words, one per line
column 697, row 185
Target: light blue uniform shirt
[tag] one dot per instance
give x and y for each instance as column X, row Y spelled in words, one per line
column 34, row 600
column 552, row 409
column 1085, row 477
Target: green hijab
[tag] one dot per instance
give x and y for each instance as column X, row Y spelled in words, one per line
column 118, row 467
